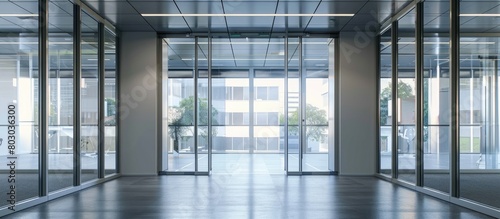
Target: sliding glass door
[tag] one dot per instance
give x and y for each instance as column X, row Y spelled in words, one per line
column 270, row 105
column 310, row 77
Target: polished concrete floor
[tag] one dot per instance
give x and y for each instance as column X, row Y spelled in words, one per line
column 247, row 196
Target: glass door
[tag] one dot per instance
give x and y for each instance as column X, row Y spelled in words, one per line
column 185, row 106
column 247, row 105
column 309, row 105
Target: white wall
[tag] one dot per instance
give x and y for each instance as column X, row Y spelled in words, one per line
column 138, row 99
column 358, row 101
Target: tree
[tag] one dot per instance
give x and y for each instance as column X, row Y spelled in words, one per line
column 181, row 120
column 316, row 121
column 404, row 91
column 110, row 116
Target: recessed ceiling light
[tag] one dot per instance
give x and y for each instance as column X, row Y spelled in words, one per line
column 247, row 15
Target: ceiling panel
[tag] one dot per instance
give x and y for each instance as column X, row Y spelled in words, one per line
column 62, row 7
column 29, row 6
column 327, row 24
column 477, row 7
column 479, row 24
column 294, row 24
column 125, row 14
column 112, row 7
column 339, row 7
column 250, row 7
column 250, row 24
column 127, row 19
column 437, row 22
column 168, row 23
column 155, row 7
column 192, row 7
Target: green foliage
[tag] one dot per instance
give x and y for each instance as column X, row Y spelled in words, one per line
column 181, row 119
column 316, row 121
column 404, row 91
column 110, row 119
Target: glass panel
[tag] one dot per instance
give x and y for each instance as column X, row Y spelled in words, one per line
column 293, row 105
column 386, row 114
column 436, row 106
column 267, row 131
column 89, row 98
column 406, row 142
column 315, row 67
column 19, row 86
column 234, row 110
column 110, row 98
column 479, row 125
column 203, row 133
column 232, row 130
column 60, row 97
column 180, row 106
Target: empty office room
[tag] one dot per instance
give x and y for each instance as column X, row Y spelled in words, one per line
column 249, row 109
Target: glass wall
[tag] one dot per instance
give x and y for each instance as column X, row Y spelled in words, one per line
column 230, row 99
column 479, row 107
column 60, row 96
column 293, row 89
column 22, row 126
column 89, row 97
column 468, row 167
column 248, row 94
column 385, row 98
column 110, row 100
column 317, row 98
column 19, row 102
column 268, row 103
column 203, row 110
column 436, row 101
column 406, row 93
column 180, row 105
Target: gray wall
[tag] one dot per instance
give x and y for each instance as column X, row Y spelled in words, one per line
column 138, row 99
column 358, row 103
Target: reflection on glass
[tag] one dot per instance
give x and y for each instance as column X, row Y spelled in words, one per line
column 479, row 121
column 293, row 105
column 269, row 116
column 385, row 141
column 268, row 111
column 436, row 107
column 60, row 98
column 316, row 71
column 406, row 142
column 19, row 85
column 232, row 115
column 203, row 130
column 89, row 98
column 110, row 98
column 180, row 110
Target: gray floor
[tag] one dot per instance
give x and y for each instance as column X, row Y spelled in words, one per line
column 247, row 196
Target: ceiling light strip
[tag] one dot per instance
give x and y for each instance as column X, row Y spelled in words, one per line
column 243, row 59
column 247, row 15
column 439, row 43
column 246, row 43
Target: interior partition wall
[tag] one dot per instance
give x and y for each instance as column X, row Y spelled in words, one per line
column 54, row 139
column 447, row 76
column 247, row 105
